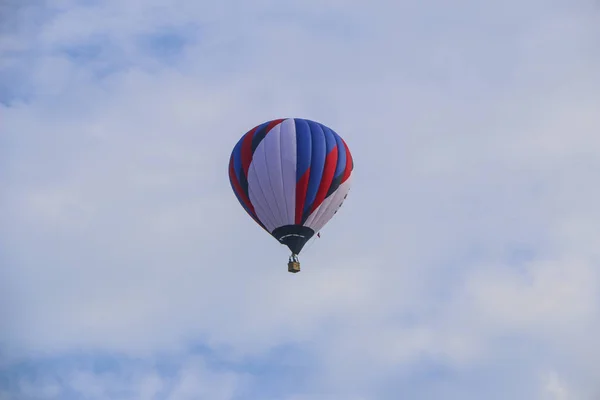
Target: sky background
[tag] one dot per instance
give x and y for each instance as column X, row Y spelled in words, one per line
column 463, row 265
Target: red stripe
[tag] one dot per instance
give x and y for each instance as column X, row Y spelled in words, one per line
column 301, row 188
column 247, row 150
column 349, row 163
column 328, row 172
column 273, row 123
column 238, row 188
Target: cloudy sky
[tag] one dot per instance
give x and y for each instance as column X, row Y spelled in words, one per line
column 464, row 264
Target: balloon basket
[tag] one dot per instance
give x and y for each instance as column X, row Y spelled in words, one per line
column 293, row 267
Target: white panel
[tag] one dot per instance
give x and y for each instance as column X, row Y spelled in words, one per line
column 288, row 164
column 272, row 175
column 319, row 218
column 262, row 180
column 259, row 201
column 312, row 218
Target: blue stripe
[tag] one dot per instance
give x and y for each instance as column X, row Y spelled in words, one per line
column 259, row 135
column 239, row 168
column 329, row 139
column 303, row 147
column 341, row 161
column 237, row 159
column 236, row 155
column 317, row 162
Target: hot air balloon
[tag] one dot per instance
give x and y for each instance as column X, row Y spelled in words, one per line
column 291, row 175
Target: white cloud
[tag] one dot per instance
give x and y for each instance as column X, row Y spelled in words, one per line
column 191, row 378
column 555, row 389
column 197, row 382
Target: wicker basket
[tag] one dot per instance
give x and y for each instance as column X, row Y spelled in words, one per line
column 293, row 266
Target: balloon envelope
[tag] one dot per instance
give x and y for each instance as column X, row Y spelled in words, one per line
column 291, row 176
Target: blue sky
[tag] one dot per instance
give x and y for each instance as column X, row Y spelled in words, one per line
column 464, row 264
